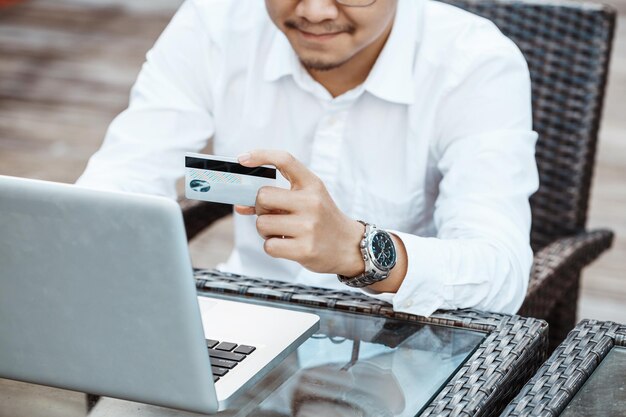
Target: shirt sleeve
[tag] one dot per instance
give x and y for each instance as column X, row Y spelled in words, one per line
column 481, row 255
column 170, row 112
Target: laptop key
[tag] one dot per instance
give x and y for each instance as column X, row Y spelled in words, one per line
column 210, row 343
column 227, row 346
column 223, row 363
column 244, row 349
column 218, row 371
column 216, row 378
column 226, row 355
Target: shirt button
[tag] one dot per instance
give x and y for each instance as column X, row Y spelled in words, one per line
column 408, row 303
column 332, row 121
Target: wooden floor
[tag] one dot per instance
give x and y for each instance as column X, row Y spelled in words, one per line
column 65, row 70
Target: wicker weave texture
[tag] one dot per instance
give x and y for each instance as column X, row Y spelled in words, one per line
column 555, row 275
column 513, row 350
column 559, row 379
column 567, row 47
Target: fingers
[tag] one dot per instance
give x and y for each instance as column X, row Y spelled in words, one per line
column 284, row 238
column 274, row 200
column 293, row 170
column 245, row 210
column 277, row 200
column 277, row 225
column 277, row 247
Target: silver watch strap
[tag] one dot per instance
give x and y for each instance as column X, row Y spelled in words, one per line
column 362, row 280
column 371, row 275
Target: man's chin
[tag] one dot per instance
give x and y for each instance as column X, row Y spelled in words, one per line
column 320, row 65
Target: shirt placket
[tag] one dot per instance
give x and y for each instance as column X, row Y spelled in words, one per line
column 327, row 144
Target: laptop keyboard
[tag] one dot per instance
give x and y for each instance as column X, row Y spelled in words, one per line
column 225, row 356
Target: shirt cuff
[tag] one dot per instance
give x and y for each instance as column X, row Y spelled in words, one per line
column 422, row 291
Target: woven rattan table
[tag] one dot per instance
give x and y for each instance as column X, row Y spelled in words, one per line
column 585, row 376
column 368, row 360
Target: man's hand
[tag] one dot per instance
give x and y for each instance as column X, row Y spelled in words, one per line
column 303, row 224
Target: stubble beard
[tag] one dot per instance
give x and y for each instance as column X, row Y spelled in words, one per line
column 319, row 65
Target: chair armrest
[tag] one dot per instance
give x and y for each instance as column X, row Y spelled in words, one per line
column 198, row 215
column 557, row 266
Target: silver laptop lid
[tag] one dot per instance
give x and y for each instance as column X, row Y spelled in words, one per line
column 88, row 283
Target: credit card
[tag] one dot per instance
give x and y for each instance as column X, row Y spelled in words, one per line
column 222, row 179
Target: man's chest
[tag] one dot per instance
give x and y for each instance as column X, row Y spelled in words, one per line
column 371, row 155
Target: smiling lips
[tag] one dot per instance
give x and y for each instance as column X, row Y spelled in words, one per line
column 318, row 37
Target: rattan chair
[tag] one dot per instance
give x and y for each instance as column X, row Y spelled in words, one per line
column 565, row 373
column 567, row 46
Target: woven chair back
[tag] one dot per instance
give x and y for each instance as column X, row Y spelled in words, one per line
column 567, row 47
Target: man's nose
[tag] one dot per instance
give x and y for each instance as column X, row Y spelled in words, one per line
column 316, row 11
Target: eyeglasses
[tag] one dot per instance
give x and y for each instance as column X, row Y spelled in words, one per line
column 356, row 3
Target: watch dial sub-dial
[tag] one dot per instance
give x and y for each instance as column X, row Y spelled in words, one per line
column 383, row 250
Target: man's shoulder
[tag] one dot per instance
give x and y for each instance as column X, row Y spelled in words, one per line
column 457, row 40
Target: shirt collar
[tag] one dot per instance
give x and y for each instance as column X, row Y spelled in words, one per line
column 281, row 58
column 391, row 77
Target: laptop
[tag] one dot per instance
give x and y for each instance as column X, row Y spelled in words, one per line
column 97, row 295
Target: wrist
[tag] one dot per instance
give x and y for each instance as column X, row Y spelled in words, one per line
column 379, row 250
column 351, row 263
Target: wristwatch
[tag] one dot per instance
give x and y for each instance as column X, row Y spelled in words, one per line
column 379, row 255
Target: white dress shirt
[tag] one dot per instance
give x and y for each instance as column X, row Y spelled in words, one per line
column 436, row 145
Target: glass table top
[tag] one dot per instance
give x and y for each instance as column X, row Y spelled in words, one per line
column 359, row 365
column 604, row 393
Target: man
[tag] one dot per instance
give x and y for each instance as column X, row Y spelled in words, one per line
column 410, row 115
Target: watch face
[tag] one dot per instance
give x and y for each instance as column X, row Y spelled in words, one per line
column 383, row 250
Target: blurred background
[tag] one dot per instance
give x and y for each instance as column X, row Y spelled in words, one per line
column 66, row 67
